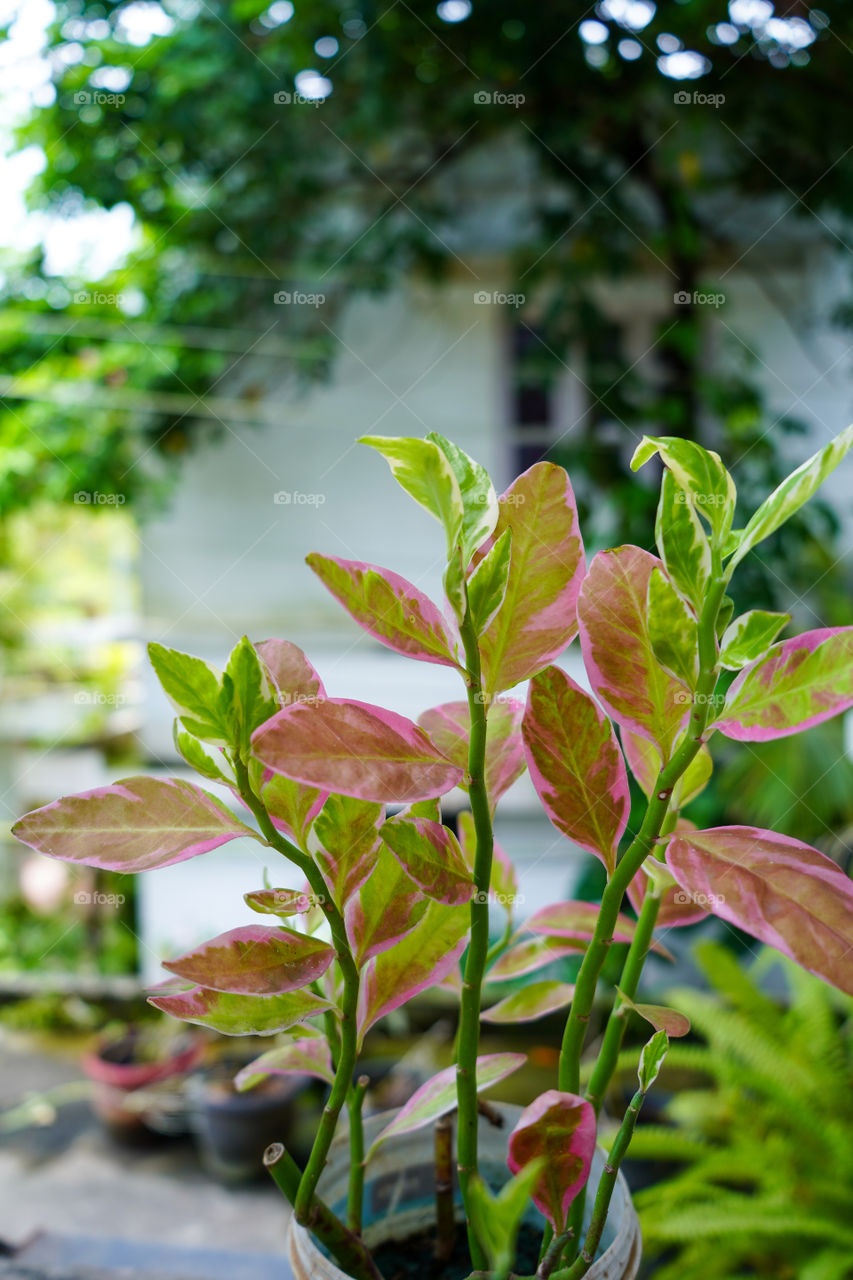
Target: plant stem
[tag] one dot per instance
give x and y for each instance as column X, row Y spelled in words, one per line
column 355, row 1196
column 652, row 825
column 478, row 947
column 444, row 1217
column 586, row 1257
column 348, row 1249
column 552, row 1255
column 348, row 1047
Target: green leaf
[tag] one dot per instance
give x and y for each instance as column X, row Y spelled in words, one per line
column 749, row 636
column 423, row 470
column 193, row 687
column 682, row 542
column 792, row 493
column 488, row 583
column 241, row 1015
column 533, row 1001
column 700, row 473
column 651, row 1060
column 247, row 698
column 479, row 500
column 673, row 632
column 675, row 1024
column 497, row 1219
column 210, row 764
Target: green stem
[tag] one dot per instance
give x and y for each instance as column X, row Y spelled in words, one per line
column 445, row 1219
column 643, row 844
column 613, row 1036
column 603, row 1195
column 347, row 1248
column 478, row 947
column 355, row 1195
column 348, row 1048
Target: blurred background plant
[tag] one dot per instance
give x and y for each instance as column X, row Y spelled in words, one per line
column 750, row 1169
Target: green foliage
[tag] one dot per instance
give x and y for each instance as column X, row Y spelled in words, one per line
column 760, row 1134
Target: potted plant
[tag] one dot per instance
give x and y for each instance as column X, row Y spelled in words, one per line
column 390, row 905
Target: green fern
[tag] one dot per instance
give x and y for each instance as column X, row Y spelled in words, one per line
column 759, row 1134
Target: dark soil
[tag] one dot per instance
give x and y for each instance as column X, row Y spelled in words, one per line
column 414, row 1259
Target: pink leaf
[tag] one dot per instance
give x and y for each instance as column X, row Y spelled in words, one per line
column 389, row 608
column 675, row 1024
column 797, row 684
column 617, row 651
column 677, row 908
column 419, row 960
column 242, row 1015
column 575, row 764
column 387, row 907
column 355, row 749
column 132, row 825
column 577, row 920
column 291, row 806
column 308, row 1056
column 292, row 674
column 255, row 960
column 429, row 853
column 560, row 1129
column 280, row 902
column 778, row 889
column 438, row 1096
column 538, row 616
column 449, row 727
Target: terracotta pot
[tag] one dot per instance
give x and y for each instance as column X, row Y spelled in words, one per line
column 400, row 1190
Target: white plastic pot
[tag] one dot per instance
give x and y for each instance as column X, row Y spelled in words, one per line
column 399, row 1199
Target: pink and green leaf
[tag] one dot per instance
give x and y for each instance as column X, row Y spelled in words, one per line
column 133, row 825
column 645, row 764
column 799, row 683
column 345, row 841
column 306, row 1056
column 242, row 1015
column 575, row 764
column 775, row 888
column 292, row 674
column 418, row 961
column 280, row 902
column 449, row 727
column 576, row 920
column 355, row 749
column 255, row 959
column 193, row 687
column 438, row 1096
column 673, row 631
column 389, row 608
column 430, row 855
column 504, row 882
column 538, row 617
column 291, row 805
column 617, row 650
column 531, row 955
column 660, row 1017
column 558, row 1128
column 487, row 585
column 387, row 907
column 748, row 637
column 534, row 1001
column 248, row 696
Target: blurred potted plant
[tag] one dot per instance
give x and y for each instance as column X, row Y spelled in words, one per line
column 127, row 1062
column 390, row 905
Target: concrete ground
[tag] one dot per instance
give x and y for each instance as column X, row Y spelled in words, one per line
column 69, row 1178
